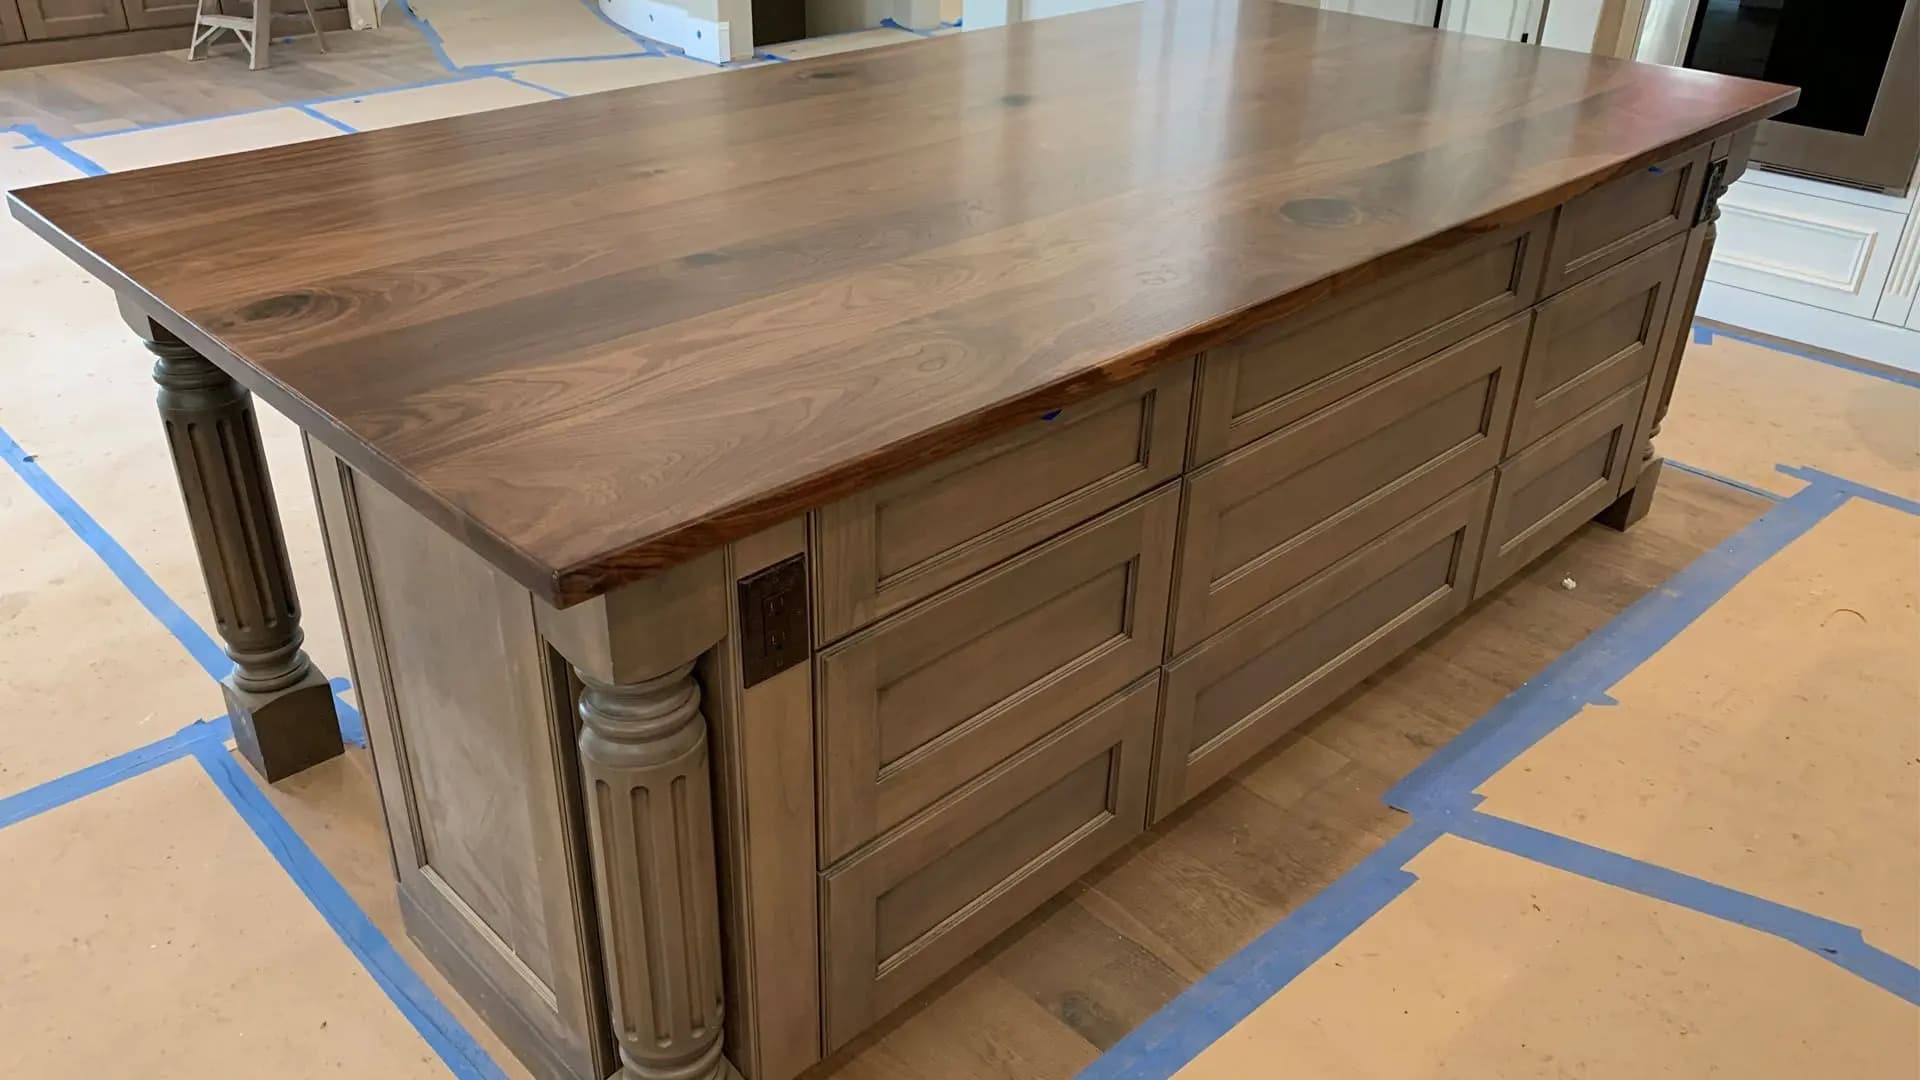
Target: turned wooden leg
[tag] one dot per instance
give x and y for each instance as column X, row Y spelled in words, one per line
column 644, row 766
column 643, row 753
column 279, row 702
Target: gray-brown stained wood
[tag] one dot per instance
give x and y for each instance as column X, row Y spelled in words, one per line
column 598, row 336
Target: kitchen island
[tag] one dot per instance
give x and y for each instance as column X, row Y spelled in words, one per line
column 790, row 524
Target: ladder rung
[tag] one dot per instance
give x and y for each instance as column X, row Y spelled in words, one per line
column 235, row 22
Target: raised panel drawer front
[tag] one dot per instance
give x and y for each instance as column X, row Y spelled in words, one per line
column 1233, row 696
column 1594, row 339
column 927, row 700
column 924, row 898
column 1625, row 216
column 1273, row 377
column 905, row 539
column 1553, row 486
column 1271, row 515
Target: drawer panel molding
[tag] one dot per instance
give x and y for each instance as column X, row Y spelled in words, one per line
column 1275, row 376
column 1624, row 217
column 1233, row 696
column 1594, row 339
column 1555, row 485
column 1271, row 515
column 923, row 898
column 925, row 701
column 903, row 540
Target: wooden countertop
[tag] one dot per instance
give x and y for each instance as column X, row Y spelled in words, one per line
column 595, row 337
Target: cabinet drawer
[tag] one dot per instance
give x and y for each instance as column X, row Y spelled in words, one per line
column 880, row 550
column 44, row 20
column 1549, row 489
column 1273, row 377
column 1594, row 339
column 1271, row 515
column 919, row 901
column 1623, row 217
column 933, row 697
column 1236, row 694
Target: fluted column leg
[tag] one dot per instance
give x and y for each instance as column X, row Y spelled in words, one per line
column 279, row 702
column 643, row 753
column 649, row 801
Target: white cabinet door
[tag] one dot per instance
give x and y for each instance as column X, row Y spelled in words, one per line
column 1508, row 19
column 1825, row 252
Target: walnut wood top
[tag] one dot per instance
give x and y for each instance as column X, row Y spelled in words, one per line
column 595, row 337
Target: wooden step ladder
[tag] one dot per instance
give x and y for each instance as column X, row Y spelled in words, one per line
column 254, row 31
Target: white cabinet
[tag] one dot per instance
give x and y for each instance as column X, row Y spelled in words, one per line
column 1826, row 252
column 1898, row 304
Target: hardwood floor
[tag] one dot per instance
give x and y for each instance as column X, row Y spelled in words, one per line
column 64, row 100
column 1053, row 993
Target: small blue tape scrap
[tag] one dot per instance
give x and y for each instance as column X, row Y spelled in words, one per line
column 1051, row 415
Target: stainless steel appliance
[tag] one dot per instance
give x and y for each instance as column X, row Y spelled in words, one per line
column 1857, row 63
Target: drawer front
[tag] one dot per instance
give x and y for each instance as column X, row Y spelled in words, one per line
column 1236, row 694
column 1271, row 515
column 919, row 901
column 1623, row 217
column 924, row 702
column 903, row 540
column 1276, row 376
column 1548, row 490
column 1595, row 339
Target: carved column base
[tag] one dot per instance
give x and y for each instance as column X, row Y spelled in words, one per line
column 1632, row 505
column 281, row 732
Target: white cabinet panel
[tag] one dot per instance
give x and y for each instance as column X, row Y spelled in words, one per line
column 1507, row 19
column 1898, row 305
column 1823, row 252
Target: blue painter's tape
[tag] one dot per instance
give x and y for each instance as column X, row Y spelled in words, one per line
column 353, row 727
column 516, row 65
column 1856, row 490
column 59, row 148
column 1586, row 672
column 1770, row 496
column 325, row 119
column 1704, row 335
column 1050, row 415
column 775, row 57
column 894, row 24
column 102, row 775
column 431, row 35
column 594, row 6
column 1227, row 995
column 1841, row 944
column 211, row 658
column 531, row 86
column 456, row 1046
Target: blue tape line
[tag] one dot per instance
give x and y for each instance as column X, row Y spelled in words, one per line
column 775, row 57
column 211, row 658
column 1227, row 995
column 1704, row 335
column 1584, row 674
column 431, row 35
column 531, row 86
column 1856, row 490
column 325, row 119
column 893, row 24
column 58, row 148
column 1770, row 496
column 185, row 629
column 462, row 1054
column 516, row 65
column 1836, row 942
column 99, row 776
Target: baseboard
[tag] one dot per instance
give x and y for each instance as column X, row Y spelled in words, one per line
column 1848, row 335
column 132, row 42
column 702, row 39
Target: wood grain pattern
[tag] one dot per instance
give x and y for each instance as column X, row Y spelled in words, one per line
column 598, row 336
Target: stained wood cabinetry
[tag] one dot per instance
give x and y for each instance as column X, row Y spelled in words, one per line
column 10, row 28
column 47, row 19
